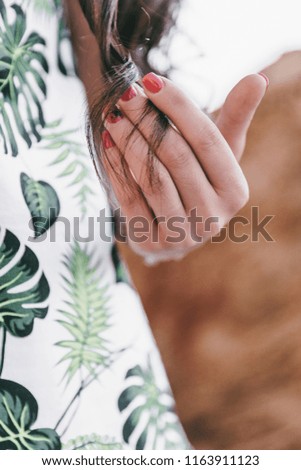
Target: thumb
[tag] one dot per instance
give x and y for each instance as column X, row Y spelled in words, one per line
column 238, row 111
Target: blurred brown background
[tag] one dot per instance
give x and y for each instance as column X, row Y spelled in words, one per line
column 227, row 318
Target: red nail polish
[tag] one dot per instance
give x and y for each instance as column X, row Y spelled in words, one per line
column 153, row 83
column 265, row 77
column 114, row 116
column 129, row 94
column 108, row 143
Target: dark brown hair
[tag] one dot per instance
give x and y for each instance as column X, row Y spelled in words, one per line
column 126, row 32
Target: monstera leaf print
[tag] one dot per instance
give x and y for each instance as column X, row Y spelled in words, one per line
column 51, row 7
column 19, row 305
column 86, row 317
column 93, row 442
column 63, row 38
column 18, row 412
column 22, row 87
column 42, row 202
column 150, row 409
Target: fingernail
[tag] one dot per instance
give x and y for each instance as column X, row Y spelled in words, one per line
column 129, row 94
column 114, row 116
column 265, row 77
column 153, row 83
column 107, row 141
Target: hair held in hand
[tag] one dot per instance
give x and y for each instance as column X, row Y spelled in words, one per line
column 126, row 31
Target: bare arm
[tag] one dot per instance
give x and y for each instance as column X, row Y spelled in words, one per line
column 85, row 47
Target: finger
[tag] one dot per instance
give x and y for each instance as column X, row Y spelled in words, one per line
column 159, row 190
column 174, row 152
column 198, row 130
column 238, row 111
column 133, row 206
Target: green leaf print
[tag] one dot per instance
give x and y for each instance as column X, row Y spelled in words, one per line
column 42, row 202
column 63, row 38
column 151, row 408
column 51, row 7
column 73, row 161
column 42, row 6
column 121, row 272
column 19, row 305
column 18, row 412
column 93, row 442
column 22, row 64
column 86, row 317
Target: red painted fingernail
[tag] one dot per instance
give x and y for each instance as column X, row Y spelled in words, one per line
column 153, row 83
column 107, row 141
column 114, row 116
column 129, row 94
column 265, row 77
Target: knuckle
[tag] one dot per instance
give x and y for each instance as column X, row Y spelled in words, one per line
column 208, row 140
column 145, row 249
column 235, row 119
column 173, row 248
column 216, row 227
column 239, row 196
column 243, row 194
column 155, row 182
column 178, row 156
column 130, row 199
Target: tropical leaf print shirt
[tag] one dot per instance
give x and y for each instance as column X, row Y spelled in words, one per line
column 78, row 365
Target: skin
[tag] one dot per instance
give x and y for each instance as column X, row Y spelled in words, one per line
column 197, row 163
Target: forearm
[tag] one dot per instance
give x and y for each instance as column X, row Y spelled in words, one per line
column 85, row 48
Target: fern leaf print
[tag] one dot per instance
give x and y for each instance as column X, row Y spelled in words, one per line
column 86, row 317
column 72, row 160
column 93, row 442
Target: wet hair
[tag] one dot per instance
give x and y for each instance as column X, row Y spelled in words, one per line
column 126, row 32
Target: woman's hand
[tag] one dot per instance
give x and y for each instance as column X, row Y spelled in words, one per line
column 200, row 183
